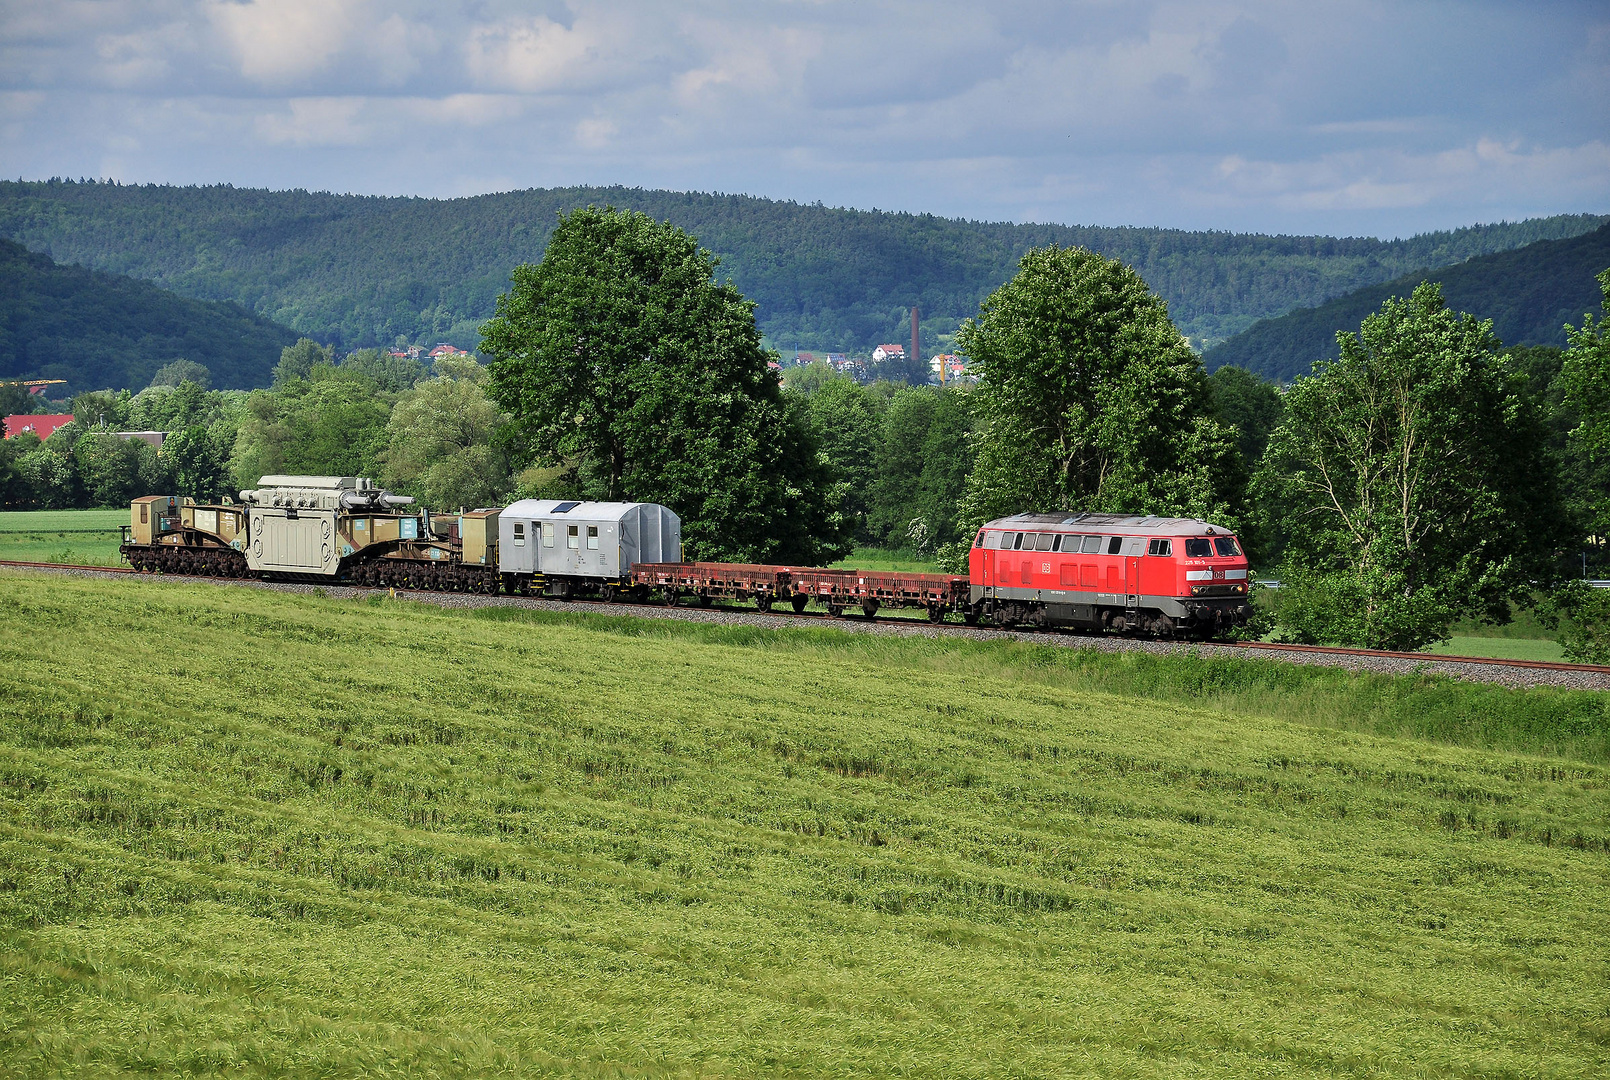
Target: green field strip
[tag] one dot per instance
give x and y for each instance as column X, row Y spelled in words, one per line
column 270, row 833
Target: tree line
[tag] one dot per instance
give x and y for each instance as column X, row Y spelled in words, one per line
column 362, row 271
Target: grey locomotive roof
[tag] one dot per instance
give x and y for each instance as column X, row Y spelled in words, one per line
column 1106, row 523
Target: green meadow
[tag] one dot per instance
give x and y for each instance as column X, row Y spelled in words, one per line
column 270, row 834
column 83, row 537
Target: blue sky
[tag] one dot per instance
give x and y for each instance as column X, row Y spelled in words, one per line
column 1356, row 118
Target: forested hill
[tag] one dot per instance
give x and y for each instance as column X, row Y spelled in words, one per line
column 358, row 270
column 1530, row 294
column 99, row 330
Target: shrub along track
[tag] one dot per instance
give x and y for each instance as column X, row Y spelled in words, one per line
column 1515, row 673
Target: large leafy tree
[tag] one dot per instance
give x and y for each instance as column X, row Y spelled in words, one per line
column 1089, row 398
column 1412, row 482
column 440, row 440
column 921, row 464
column 848, row 419
column 621, row 354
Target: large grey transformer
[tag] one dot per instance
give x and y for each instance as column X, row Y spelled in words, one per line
column 308, row 524
column 585, row 541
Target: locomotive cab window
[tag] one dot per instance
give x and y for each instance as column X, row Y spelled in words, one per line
column 573, row 539
column 1091, row 546
column 1198, row 547
column 592, row 538
column 519, row 534
column 978, row 541
column 1159, row 547
column 1226, row 545
column 1115, row 545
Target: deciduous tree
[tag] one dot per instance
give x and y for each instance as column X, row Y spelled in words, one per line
column 1412, row 482
column 1089, row 398
column 622, row 354
column 440, row 440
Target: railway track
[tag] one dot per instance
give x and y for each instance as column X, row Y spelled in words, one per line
column 1431, row 659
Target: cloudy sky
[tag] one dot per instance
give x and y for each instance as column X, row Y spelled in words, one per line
column 1363, row 117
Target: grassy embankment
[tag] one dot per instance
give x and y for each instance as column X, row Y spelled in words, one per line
column 289, row 834
column 85, row 537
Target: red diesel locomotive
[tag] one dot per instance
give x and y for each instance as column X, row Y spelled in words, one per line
column 1154, row 575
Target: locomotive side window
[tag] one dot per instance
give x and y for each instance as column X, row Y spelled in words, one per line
column 1044, row 543
column 1160, row 547
column 1017, row 542
column 1114, row 545
column 1198, row 547
column 592, row 538
column 1006, row 541
column 1092, row 545
column 1226, row 545
column 573, row 538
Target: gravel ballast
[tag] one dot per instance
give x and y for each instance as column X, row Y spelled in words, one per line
column 1476, row 671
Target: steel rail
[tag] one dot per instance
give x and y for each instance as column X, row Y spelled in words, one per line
column 1268, row 646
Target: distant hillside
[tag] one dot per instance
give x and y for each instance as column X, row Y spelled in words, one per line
column 1530, row 294
column 356, row 271
column 99, row 330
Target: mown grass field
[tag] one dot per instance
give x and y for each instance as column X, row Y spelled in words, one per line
column 261, row 833
column 84, row 537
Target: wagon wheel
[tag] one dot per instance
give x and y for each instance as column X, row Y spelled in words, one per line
column 607, row 594
column 763, row 602
column 705, row 598
column 936, row 613
column 799, row 600
column 835, row 610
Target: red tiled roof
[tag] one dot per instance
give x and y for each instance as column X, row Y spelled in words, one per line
column 42, row 425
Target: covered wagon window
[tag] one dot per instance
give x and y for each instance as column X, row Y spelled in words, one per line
column 547, row 534
column 1198, row 547
column 1092, row 545
column 519, row 534
column 1226, row 545
column 573, row 538
column 592, row 538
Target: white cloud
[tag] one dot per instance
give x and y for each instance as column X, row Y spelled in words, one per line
column 1338, row 115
